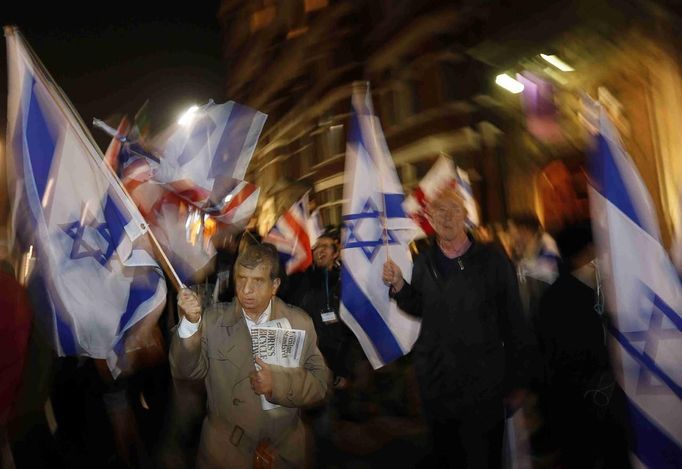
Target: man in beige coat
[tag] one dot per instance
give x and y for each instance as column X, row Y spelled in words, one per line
column 216, row 346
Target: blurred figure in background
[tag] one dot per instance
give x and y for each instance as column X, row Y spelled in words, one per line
column 317, row 292
column 536, row 257
column 586, row 406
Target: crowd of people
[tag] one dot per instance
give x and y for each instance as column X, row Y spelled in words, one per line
column 513, row 332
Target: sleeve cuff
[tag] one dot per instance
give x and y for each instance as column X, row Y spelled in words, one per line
column 187, row 329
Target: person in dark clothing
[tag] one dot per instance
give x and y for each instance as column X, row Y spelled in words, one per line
column 474, row 346
column 317, row 292
column 585, row 405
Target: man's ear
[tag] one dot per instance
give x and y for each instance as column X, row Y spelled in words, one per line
column 275, row 285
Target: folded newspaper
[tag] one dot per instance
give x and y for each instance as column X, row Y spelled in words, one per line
column 276, row 343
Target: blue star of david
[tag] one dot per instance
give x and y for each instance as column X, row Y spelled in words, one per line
column 369, row 247
column 81, row 248
column 651, row 337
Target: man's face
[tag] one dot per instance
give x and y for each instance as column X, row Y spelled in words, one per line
column 255, row 288
column 325, row 253
column 447, row 216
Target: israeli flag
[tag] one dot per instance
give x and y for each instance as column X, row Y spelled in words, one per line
column 94, row 280
column 645, row 295
column 212, row 144
column 376, row 228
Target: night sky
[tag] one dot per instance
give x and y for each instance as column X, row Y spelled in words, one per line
column 110, row 62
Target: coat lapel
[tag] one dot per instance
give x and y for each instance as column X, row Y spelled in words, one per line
column 237, row 340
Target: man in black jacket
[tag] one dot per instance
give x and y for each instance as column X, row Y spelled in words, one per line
column 474, row 346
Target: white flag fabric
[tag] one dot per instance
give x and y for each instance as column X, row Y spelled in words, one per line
column 315, row 228
column 376, row 228
column 442, row 174
column 645, row 295
column 176, row 224
column 216, row 143
column 95, row 279
column 464, row 189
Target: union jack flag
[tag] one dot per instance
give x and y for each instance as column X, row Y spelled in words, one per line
column 290, row 237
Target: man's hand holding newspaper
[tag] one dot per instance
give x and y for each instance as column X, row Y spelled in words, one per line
column 274, row 343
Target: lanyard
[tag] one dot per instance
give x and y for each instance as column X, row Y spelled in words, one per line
column 326, row 286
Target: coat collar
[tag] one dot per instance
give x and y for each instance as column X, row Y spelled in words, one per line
column 232, row 314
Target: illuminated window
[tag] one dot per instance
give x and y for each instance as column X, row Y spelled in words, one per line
column 262, row 18
column 313, row 5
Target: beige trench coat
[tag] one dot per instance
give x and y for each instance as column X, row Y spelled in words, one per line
column 220, row 353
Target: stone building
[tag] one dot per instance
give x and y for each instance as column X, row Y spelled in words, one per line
column 432, row 67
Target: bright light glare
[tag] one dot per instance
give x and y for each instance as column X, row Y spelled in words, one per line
column 508, row 83
column 557, row 62
column 188, row 116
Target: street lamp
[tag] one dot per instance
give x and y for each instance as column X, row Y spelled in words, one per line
column 508, row 83
column 188, row 116
column 557, row 62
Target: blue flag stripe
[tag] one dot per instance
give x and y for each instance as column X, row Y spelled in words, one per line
column 608, row 181
column 393, row 205
column 41, row 148
column 198, row 139
column 669, row 312
column 653, row 447
column 144, row 286
column 115, row 219
column 366, row 315
column 646, row 361
column 141, row 290
column 232, row 140
column 41, row 144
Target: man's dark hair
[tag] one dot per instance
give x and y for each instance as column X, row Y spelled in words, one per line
column 526, row 220
column 253, row 255
column 332, row 232
column 573, row 239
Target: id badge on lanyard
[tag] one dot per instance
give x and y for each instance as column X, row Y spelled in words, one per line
column 328, row 315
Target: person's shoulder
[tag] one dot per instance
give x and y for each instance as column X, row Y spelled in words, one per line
column 491, row 250
column 297, row 317
column 556, row 295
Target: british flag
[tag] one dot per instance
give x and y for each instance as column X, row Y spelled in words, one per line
column 290, row 237
column 195, row 183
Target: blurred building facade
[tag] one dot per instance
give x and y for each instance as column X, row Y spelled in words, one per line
column 297, row 60
column 431, row 66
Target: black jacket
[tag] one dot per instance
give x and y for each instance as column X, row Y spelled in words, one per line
column 585, row 408
column 315, row 292
column 474, row 344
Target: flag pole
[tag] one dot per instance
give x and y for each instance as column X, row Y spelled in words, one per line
column 87, row 138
